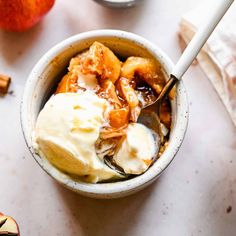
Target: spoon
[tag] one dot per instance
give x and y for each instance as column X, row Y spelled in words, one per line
column 182, row 65
column 150, row 112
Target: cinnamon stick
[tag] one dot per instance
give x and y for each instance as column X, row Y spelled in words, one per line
column 4, row 83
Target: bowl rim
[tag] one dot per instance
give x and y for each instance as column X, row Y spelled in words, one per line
column 125, row 187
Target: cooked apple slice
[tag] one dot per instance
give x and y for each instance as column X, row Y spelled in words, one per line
column 8, row 226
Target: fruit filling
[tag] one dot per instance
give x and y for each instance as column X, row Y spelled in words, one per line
column 90, row 127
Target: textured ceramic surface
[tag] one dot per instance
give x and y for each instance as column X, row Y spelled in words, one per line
column 45, row 76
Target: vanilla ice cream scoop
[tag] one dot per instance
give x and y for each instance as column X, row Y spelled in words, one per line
column 138, row 149
column 66, row 131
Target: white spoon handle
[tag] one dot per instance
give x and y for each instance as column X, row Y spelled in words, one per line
column 200, row 37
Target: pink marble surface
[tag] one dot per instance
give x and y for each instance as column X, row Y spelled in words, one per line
column 190, row 198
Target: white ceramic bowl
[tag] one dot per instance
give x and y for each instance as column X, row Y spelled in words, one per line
column 45, row 76
column 118, row 3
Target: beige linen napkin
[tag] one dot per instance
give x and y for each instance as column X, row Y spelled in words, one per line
column 218, row 56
